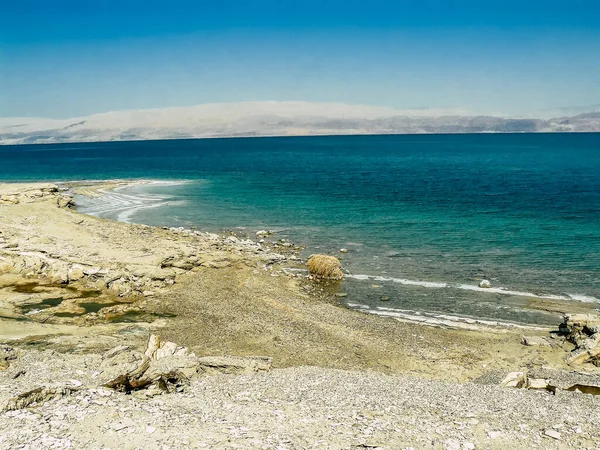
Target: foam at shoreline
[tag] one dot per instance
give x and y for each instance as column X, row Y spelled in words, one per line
column 469, row 287
column 440, row 320
column 120, row 206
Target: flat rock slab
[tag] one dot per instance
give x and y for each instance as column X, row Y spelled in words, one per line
column 234, row 364
column 536, row 341
column 564, row 379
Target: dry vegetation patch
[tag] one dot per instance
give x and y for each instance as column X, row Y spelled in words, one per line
column 324, row 266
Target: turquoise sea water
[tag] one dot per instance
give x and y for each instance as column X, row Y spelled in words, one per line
column 428, row 215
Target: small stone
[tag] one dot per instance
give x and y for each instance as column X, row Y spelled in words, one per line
column 485, row 284
column 76, row 383
column 384, row 298
column 552, row 434
column 150, row 429
column 148, row 293
column 535, row 341
column 343, row 250
column 494, row 434
column 341, row 294
column 468, row 446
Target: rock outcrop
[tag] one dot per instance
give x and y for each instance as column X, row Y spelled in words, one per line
column 167, row 367
column 24, row 193
column 552, row 380
column 582, row 330
column 44, row 242
column 164, row 367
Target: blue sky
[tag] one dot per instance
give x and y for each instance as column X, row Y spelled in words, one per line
column 71, row 58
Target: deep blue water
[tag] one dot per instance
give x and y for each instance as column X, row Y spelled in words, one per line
column 522, row 210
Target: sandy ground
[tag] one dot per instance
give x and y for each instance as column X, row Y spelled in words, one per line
column 221, row 295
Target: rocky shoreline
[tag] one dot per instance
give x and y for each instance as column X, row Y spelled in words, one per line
column 140, row 262
column 252, row 355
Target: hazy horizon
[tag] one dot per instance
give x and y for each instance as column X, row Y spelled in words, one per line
column 346, row 108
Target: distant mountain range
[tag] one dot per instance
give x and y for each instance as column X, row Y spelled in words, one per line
column 274, row 119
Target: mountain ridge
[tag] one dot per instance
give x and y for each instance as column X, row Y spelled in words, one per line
column 275, row 119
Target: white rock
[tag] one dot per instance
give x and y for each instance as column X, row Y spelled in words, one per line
column 343, row 250
column 92, row 270
column 513, row 379
column 165, row 350
column 553, row 434
column 485, row 284
column 451, row 444
column 150, row 429
column 537, row 383
column 76, row 383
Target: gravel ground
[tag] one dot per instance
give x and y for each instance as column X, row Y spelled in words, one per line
column 309, row 407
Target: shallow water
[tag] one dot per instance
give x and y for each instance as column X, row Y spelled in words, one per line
column 35, row 287
column 427, row 216
column 44, row 304
column 94, row 307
